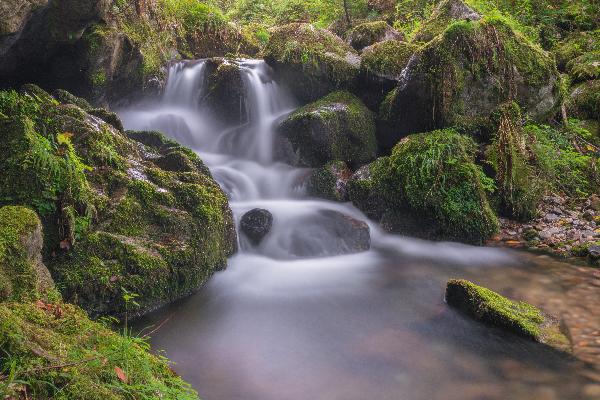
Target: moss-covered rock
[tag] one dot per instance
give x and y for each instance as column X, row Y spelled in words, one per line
column 429, row 187
column 574, row 46
column 312, row 61
column 23, row 276
column 339, row 127
column 584, row 100
column 226, row 94
column 329, row 181
column 518, row 317
column 463, row 75
column 117, row 213
column 585, row 67
column 53, row 350
column 369, row 33
column 445, row 13
column 381, row 68
column 64, row 97
column 109, row 117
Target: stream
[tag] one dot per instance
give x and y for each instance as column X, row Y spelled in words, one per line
column 290, row 319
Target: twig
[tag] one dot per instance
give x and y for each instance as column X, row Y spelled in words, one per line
column 158, row 327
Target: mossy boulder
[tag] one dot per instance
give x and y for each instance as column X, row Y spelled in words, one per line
column 460, row 77
column 584, row 100
column 585, row 67
column 329, row 182
column 338, row 127
column 493, row 309
column 117, row 213
column 429, row 187
column 369, row 33
column 226, row 94
column 445, row 13
column 381, row 68
column 23, row 276
column 312, row 61
column 576, row 45
column 58, row 352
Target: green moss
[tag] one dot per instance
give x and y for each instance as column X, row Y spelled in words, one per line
column 491, row 308
column 584, row 101
column 435, row 174
column 328, row 182
column 520, row 188
column 368, row 33
column 337, row 127
column 575, row 45
column 388, row 58
column 36, row 341
column 585, row 67
column 325, row 61
column 22, row 276
column 65, row 97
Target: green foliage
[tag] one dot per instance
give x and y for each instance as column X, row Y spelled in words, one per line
column 520, row 189
column 435, row 174
column 562, row 165
column 54, row 351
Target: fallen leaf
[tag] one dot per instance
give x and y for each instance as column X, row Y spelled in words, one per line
column 121, row 375
column 65, row 244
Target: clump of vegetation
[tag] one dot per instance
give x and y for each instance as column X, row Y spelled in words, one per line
column 519, row 188
column 52, row 350
column 435, row 174
column 493, row 309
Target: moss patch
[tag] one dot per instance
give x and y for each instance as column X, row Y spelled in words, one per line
column 387, row 59
column 55, row 351
column 493, row 309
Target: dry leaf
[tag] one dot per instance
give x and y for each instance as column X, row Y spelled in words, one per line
column 121, row 375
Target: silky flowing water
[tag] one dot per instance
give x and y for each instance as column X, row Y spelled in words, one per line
column 280, row 325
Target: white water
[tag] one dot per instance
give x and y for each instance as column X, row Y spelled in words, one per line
column 241, row 160
column 276, row 325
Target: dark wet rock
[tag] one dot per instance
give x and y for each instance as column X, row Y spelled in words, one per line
column 329, row 182
column 312, row 61
column 339, row 127
column 226, row 93
column 450, row 81
column 256, row 224
column 594, row 252
column 64, row 97
column 330, row 233
column 493, row 309
column 369, row 33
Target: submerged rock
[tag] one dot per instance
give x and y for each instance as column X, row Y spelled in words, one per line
column 368, row 33
column 118, row 214
column 23, row 275
column 312, row 61
column 330, row 233
column 339, row 127
column 256, row 224
column 518, row 317
column 329, row 182
column 460, row 77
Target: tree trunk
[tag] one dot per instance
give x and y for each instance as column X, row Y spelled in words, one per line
column 347, row 12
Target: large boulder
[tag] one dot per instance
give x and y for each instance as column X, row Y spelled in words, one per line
column 256, row 224
column 381, row 68
column 312, row 61
column 120, row 216
column 338, row 127
column 584, row 100
column 369, row 33
column 429, row 187
column 23, row 275
column 493, row 309
column 463, row 75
